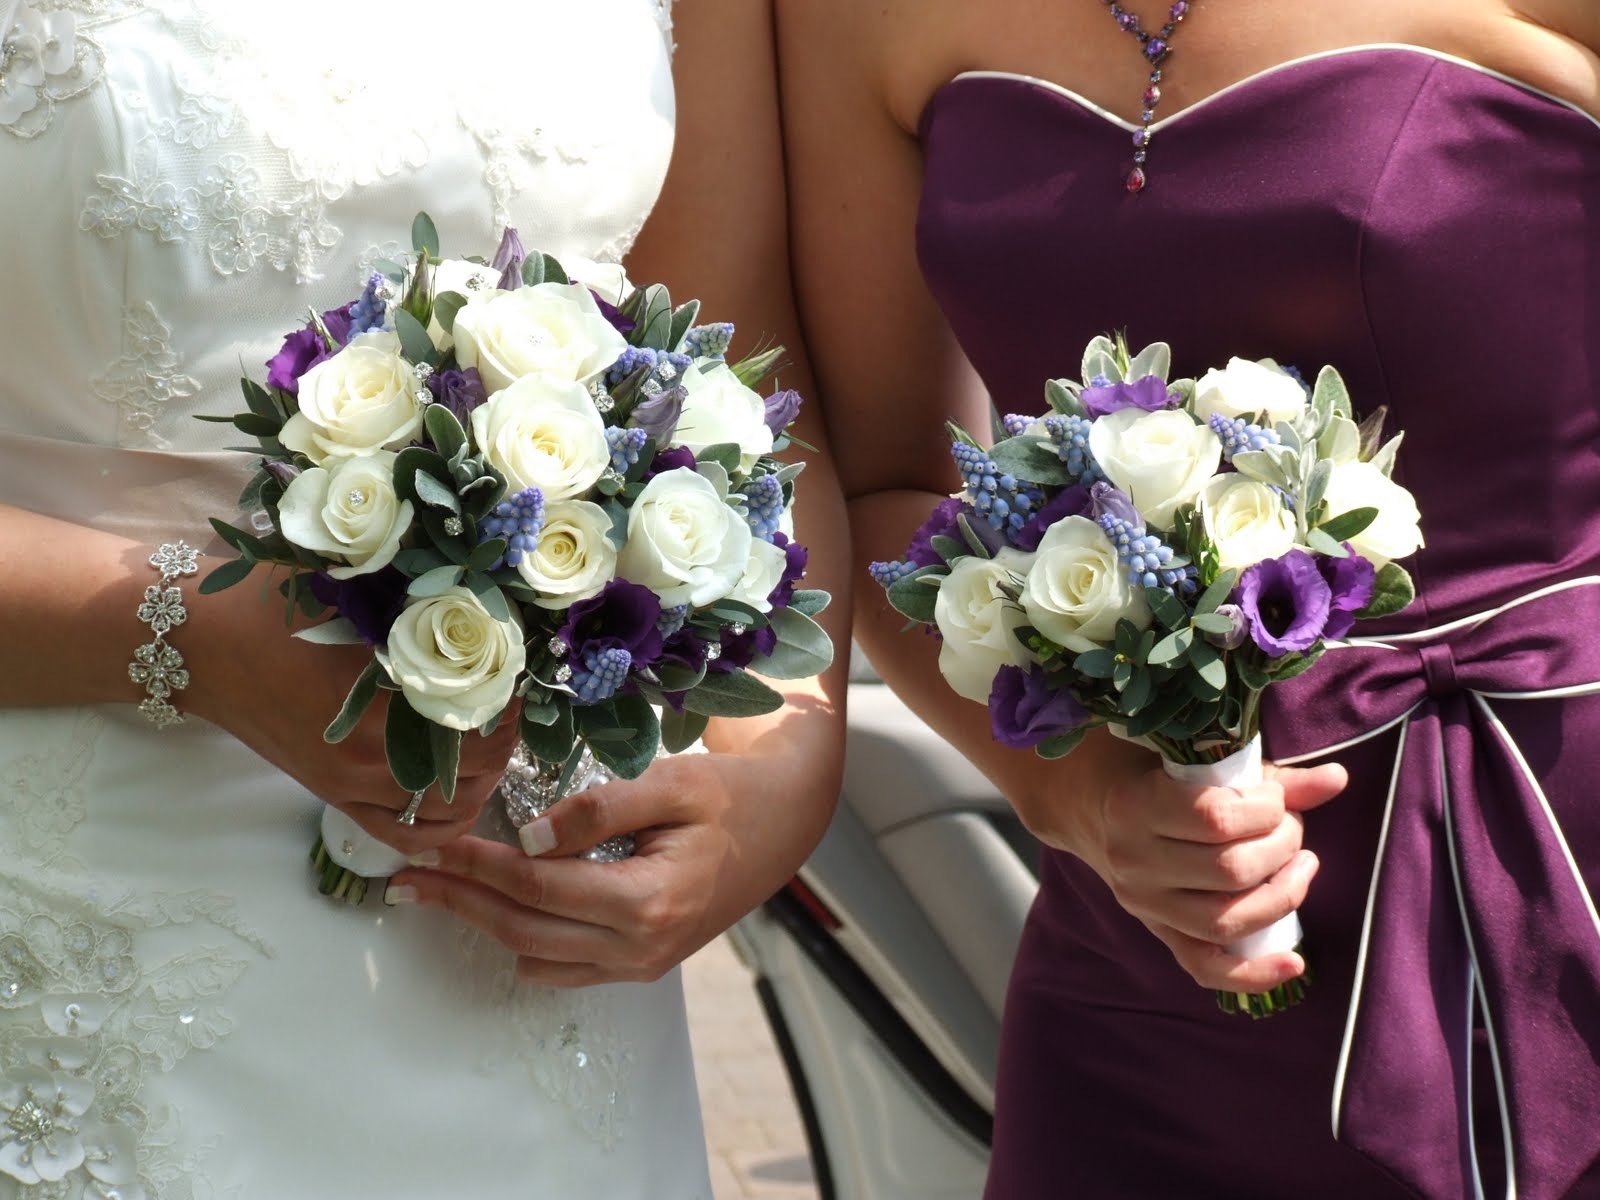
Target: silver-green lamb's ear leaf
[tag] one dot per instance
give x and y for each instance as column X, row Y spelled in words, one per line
column 424, row 236
column 444, row 431
column 408, row 745
column 1061, row 397
column 1391, row 592
column 341, row 631
column 914, row 596
column 803, row 650
column 1154, row 359
column 1316, row 486
column 732, row 694
column 680, row 730
column 1319, row 541
column 446, row 758
column 1030, row 460
column 1264, row 466
column 1384, row 458
column 1100, row 359
column 1184, row 390
column 362, row 693
column 1331, row 392
column 1340, row 441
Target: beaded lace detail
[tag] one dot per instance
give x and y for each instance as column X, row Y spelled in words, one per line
column 147, row 377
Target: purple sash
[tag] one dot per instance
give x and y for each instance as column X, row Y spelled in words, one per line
column 1476, row 905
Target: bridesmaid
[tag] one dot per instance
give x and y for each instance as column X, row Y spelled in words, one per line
column 1412, row 194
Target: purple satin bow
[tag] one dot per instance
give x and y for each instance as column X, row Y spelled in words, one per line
column 1476, row 902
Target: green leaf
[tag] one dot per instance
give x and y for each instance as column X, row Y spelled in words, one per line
column 419, row 562
column 1122, row 674
column 916, row 594
column 338, row 632
column 1058, row 395
column 550, row 741
column 1293, row 664
column 485, row 554
column 810, row 601
column 444, row 431
column 1095, row 664
column 969, row 535
column 1331, row 390
column 452, row 546
column 1391, row 592
column 256, row 426
column 732, row 694
column 245, row 543
column 1319, row 541
column 1026, row 458
column 424, row 235
column 435, row 583
column 1172, row 647
column 552, row 269
column 1169, row 610
column 1212, row 623
column 1063, row 744
column 680, row 730
column 803, row 650
column 1137, row 694
column 533, row 271
column 489, row 595
column 1220, row 589
column 446, row 749
column 435, row 494
column 408, row 743
column 1347, row 525
column 675, row 677
column 362, row 693
column 682, row 321
column 1252, row 672
column 445, row 308
column 724, row 454
column 260, row 401
column 1197, row 720
column 949, row 548
column 1169, row 702
column 414, row 340
column 654, row 320
column 623, row 734
column 225, row 576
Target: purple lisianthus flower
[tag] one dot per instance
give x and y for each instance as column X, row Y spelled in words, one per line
column 1024, row 709
column 670, row 459
column 508, row 259
column 1074, row 501
column 284, row 473
column 941, row 523
column 624, row 616
column 782, row 408
column 658, row 415
column 1286, row 601
column 683, row 649
column 1109, row 502
column 794, row 570
column 1238, row 632
column 371, row 602
column 304, row 349
column 739, row 650
column 1148, row 394
column 613, row 314
column 458, row 391
column 1351, row 582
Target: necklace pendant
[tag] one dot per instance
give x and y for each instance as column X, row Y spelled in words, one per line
column 1135, row 181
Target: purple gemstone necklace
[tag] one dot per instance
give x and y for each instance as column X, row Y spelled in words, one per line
column 1156, row 47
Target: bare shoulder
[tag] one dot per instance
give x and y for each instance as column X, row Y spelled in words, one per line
column 1555, row 46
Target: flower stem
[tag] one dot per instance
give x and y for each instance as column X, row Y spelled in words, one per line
column 334, row 880
column 1269, row 1003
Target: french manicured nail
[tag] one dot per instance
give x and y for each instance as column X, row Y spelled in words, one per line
column 399, row 893
column 424, row 858
column 537, row 837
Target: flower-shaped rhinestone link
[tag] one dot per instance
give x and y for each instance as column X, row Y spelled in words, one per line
column 160, row 668
column 156, row 665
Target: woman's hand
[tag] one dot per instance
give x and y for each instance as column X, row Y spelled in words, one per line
column 277, row 694
column 716, row 835
column 1201, row 867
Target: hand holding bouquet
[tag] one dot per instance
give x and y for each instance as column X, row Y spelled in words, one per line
column 1152, row 555
column 537, row 493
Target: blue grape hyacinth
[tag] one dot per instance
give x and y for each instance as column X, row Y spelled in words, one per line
column 709, row 341
column 1071, row 438
column 1003, row 500
column 603, row 672
column 519, row 519
column 763, row 505
column 1147, row 558
column 1237, row 434
column 625, row 446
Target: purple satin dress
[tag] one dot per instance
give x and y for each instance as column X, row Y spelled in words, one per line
column 1432, row 230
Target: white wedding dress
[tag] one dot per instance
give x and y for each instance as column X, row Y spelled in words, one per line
column 181, row 1015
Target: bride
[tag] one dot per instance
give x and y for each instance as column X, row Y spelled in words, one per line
column 181, row 1015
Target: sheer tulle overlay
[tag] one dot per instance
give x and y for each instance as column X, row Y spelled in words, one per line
column 180, row 1014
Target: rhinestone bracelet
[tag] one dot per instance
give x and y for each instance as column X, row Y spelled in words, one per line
column 157, row 664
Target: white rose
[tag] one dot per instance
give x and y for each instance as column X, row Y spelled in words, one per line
column 554, row 330
column 1160, row 459
column 469, row 279
column 685, row 543
column 720, row 409
column 1396, row 532
column 544, row 433
column 1078, row 590
column 1247, row 520
column 1244, row 388
column 978, row 622
column 762, row 573
column 574, row 559
column 361, row 400
column 347, row 511
column 608, row 280
column 455, row 663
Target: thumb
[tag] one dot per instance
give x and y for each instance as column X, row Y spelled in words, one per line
column 582, row 820
column 1305, row 788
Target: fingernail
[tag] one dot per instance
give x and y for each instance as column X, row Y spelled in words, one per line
column 399, row 893
column 424, row 858
column 537, row 837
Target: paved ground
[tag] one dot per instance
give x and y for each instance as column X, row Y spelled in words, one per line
column 758, row 1148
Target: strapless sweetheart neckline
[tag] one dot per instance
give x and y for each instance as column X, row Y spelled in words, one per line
column 1258, row 79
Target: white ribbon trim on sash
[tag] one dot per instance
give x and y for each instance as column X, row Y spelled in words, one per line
column 1401, row 641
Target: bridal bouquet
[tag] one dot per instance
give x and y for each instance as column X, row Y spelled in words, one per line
column 1152, row 555
column 524, row 481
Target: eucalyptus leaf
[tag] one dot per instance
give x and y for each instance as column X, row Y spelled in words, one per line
column 1168, row 703
column 1138, row 692
column 550, row 741
column 1168, row 609
column 419, row 562
column 445, row 307
column 490, row 596
column 732, row 694
column 1219, row 591
column 1211, row 622
column 624, row 734
column 803, row 650
column 1062, row 744
column 424, row 235
column 225, row 576
column 446, row 758
column 1172, row 647
column 435, row 583
column 414, row 340
column 485, row 554
column 1095, row 664
column 1122, row 674
column 680, row 730
column 362, row 693
column 675, row 677
column 408, row 745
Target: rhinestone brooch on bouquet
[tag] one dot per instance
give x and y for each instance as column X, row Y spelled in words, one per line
column 530, row 787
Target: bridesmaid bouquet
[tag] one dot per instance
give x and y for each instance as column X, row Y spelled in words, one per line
column 1152, row 555
column 524, row 480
